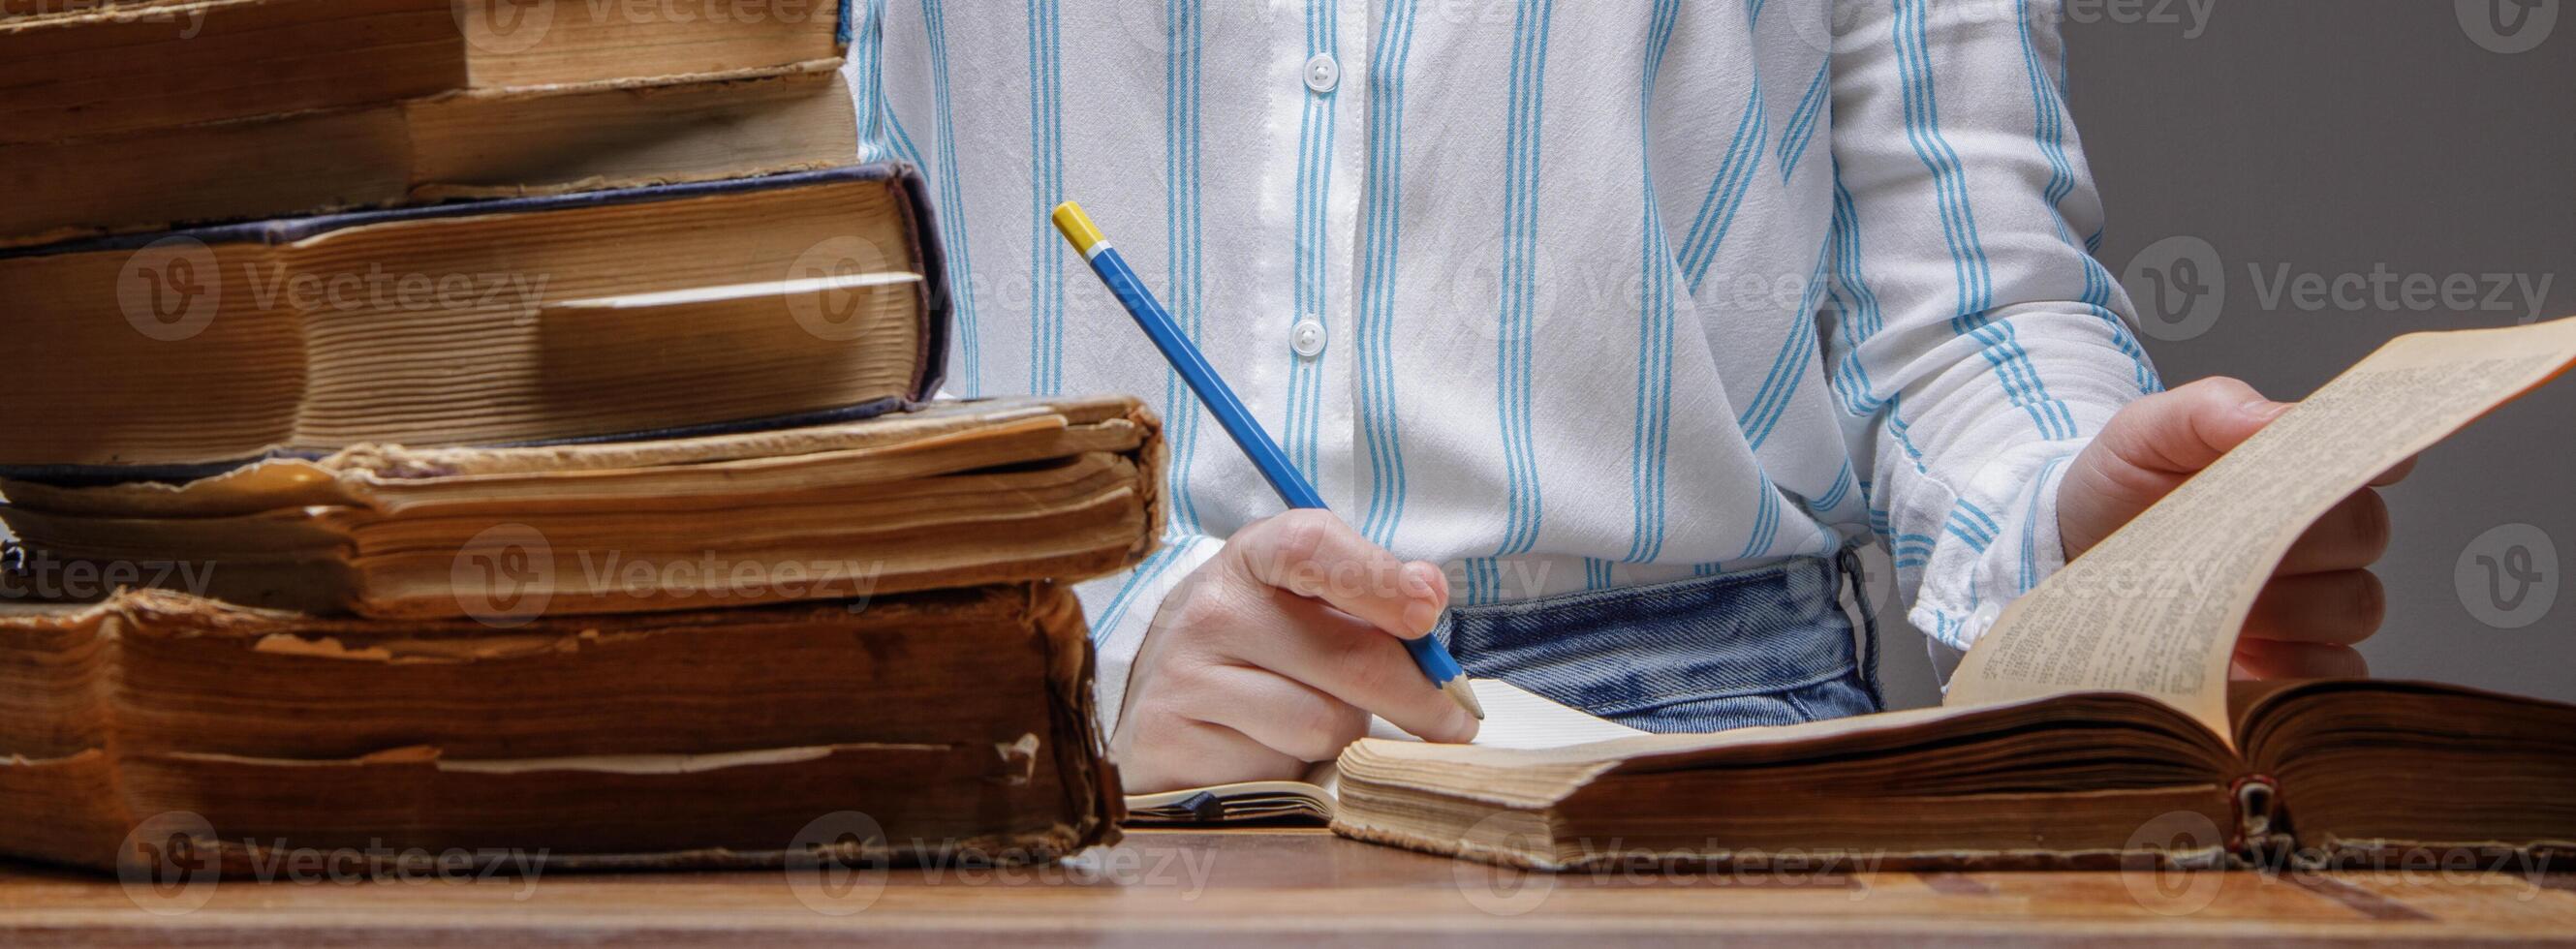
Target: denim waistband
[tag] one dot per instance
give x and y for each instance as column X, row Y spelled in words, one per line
column 1633, row 649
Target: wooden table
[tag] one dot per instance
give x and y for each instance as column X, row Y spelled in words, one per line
column 1303, row 888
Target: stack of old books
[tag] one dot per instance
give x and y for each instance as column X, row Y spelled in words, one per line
column 521, row 441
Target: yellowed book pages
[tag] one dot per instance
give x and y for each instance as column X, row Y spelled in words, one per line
column 489, row 143
column 2156, row 607
column 960, row 494
column 464, row 327
column 110, row 70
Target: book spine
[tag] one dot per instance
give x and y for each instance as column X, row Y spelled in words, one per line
column 2262, row 837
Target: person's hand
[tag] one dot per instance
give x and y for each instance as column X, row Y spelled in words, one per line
column 2319, row 602
column 1275, row 652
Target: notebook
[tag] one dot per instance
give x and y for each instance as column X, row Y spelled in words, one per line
column 1514, row 718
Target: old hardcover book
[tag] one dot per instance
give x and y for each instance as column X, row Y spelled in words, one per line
column 955, row 494
column 80, row 73
column 582, row 316
column 948, row 724
column 501, row 142
column 2095, row 722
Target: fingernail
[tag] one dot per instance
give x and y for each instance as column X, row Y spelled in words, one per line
column 1463, row 726
column 2264, row 409
column 1415, row 585
column 1421, row 615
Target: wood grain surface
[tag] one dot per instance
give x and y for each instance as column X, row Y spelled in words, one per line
column 1297, row 888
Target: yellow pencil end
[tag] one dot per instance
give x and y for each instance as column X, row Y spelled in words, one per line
column 1077, row 227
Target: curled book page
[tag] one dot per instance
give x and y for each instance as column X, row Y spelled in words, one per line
column 2156, row 607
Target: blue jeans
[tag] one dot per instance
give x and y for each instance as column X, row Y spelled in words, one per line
column 1763, row 647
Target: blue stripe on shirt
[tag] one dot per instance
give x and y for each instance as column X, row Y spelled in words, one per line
column 1046, row 190
column 952, row 205
column 865, row 40
column 2049, row 127
column 1801, row 129
column 1726, row 192
column 1788, row 367
column 1316, row 132
column 1652, row 435
column 1971, row 270
column 1383, row 208
column 1182, row 243
column 2030, row 521
column 1517, row 323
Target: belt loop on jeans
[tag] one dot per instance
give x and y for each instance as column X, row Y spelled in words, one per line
column 1848, row 561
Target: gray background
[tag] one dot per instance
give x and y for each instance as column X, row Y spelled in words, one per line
column 2333, row 136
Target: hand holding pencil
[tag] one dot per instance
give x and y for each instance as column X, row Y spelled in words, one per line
column 1275, row 652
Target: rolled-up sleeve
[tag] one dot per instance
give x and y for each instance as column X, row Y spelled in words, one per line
column 1975, row 345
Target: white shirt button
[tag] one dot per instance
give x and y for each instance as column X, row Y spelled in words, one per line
column 1307, row 338
column 1323, row 73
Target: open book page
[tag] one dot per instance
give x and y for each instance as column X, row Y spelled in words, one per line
column 1514, row 718
column 2156, row 607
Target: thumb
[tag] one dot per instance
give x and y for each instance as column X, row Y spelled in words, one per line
column 2149, row 448
column 2184, row 430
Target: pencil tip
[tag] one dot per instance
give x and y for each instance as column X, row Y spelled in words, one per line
column 1464, row 696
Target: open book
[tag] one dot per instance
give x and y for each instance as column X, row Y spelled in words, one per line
column 2095, row 721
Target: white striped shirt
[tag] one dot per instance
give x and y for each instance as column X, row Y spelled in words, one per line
column 1594, row 292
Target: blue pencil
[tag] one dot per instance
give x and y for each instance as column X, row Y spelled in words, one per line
column 1434, row 659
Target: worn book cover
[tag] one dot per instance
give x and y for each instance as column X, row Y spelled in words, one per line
column 954, row 724
column 613, row 314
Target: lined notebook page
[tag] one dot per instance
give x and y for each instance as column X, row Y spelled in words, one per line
column 1515, row 718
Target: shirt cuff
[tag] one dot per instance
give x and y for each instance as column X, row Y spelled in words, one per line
column 1996, row 544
